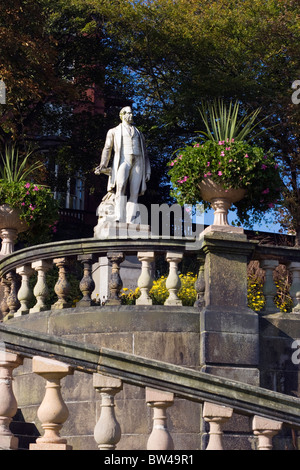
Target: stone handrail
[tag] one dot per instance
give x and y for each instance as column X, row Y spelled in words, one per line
column 92, row 246
column 54, row 358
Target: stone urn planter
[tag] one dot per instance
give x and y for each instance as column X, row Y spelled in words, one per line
column 220, row 199
column 10, row 226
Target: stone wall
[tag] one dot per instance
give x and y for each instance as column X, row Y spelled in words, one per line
column 166, row 334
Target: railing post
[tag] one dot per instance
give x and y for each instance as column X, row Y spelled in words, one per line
column 40, row 291
column 25, row 293
column 62, row 287
column 6, row 291
column 145, row 280
column 265, row 429
column 216, row 416
column 269, row 288
column 8, row 403
column 173, row 282
column 160, row 438
column 294, row 268
column 53, row 411
column 200, row 285
column 12, row 299
column 87, row 284
column 115, row 284
column 107, row 432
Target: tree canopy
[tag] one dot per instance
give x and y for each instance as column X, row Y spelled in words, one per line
column 166, row 57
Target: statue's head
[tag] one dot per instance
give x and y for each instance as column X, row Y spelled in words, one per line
column 126, row 114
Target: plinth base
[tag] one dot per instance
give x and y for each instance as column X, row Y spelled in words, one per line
column 222, row 228
column 49, row 446
column 9, row 443
column 113, row 230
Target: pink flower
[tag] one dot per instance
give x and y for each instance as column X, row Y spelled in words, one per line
column 23, row 204
column 172, row 164
column 208, row 164
column 266, row 191
column 205, row 175
column 222, row 154
column 232, row 140
column 36, row 188
column 180, row 157
column 263, row 167
column 209, row 173
column 219, row 173
column 271, row 205
column 227, row 148
column 183, row 180
column 246, row 156
column 220, row 163
column 230, row 160
column 27, row 185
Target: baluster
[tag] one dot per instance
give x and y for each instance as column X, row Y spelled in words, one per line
column 53, row 411
column 294, row 268
column 6, row 290
column 216, row 416
column 107, row 431
column 8, row 403
column 160, row 438
column 200, row 285
column 145, row 280
column 173, row 282
column 40, row 291
column 265, row 429
column 9, row 237
column 62, row 287
column 87, row 284
column 270, row 289
column 115, row 284
column 25, row 294
column 12, row 299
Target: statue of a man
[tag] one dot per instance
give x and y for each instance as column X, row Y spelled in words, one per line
column 130, row 168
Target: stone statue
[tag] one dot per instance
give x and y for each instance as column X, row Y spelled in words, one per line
column 130, row 168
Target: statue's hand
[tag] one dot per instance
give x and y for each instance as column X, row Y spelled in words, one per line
column 147, row 178
column 98, row 169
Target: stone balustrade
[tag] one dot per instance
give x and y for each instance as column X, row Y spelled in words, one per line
column 22, row 298
column 270, row 259
column 53, row 411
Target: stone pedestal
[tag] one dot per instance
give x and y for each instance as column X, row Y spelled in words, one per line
column 229, row 330
column 229, row 342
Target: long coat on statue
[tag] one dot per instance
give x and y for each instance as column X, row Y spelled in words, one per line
column 114, row 142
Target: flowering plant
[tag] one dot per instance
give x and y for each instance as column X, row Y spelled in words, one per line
column 35, row 202
column 233, row 164
column 36, row 205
